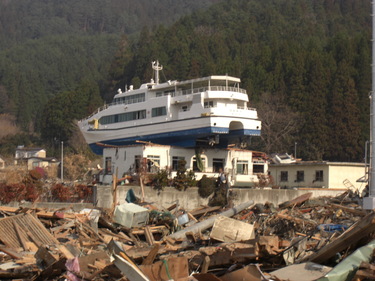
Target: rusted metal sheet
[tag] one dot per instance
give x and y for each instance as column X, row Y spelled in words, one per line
column 29, row 229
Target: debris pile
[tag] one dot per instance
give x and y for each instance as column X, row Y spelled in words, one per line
column 306, row 238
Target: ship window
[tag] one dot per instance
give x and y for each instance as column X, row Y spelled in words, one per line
column 159, row 111
column 217, row 164
column 175, row 162
column 242, row 167
column 208, row 104
column 284, row 176
column 128, row 116
column 134, row 98
column 184, row 108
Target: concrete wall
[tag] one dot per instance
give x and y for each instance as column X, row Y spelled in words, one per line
column 190, row 199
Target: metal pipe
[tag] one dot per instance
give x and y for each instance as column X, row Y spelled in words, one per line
column 372, row 136
column 203, row 225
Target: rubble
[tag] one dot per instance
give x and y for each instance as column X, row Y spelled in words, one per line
column 327, row 238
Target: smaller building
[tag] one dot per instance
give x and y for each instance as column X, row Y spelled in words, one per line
column 318, row 174
column 24, row 153
column 2, row 163
column 33, row 158
column 242, row 167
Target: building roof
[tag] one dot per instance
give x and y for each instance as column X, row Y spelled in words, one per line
column 48, row 159
column 318, row 163
column 29, row 148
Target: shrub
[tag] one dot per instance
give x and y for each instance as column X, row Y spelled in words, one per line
column 183, row 179
column 61, row 192
column 206, row 186
column 12, row 192
column 84, row 192
column 160, row 179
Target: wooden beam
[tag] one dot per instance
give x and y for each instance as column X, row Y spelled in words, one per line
column 151, row 256
column 351, row 236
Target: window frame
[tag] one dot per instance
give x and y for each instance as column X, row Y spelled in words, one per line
column 284, row 176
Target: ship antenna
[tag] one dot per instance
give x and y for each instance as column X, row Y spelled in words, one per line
column 156, row 67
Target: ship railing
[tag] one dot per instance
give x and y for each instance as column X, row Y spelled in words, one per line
column 246, row 108
column 204, row 89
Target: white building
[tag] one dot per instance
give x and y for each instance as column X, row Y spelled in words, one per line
column 2, row 163
column 33, row 158
column 243, row 167
column 318, row 174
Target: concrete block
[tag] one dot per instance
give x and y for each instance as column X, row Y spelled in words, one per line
column 131, row 215
column 231, row 230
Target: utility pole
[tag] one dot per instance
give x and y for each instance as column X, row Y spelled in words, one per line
column 62, row 161
column 369, row 202
column 295, row 150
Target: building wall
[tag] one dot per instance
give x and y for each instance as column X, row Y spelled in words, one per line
column 33, row 163
column 236, row 163
column 338, row 173
column 333, row 175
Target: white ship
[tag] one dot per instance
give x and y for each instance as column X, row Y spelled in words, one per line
column 212, row 110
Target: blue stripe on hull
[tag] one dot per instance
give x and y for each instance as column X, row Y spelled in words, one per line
column 185, row 138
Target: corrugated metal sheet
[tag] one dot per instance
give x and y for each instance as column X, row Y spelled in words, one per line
column 31, row 229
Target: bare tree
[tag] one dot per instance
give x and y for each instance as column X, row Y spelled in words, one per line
column 8, row 125
column 279, row 123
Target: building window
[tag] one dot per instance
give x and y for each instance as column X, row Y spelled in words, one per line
column 283, row 176
column 175, row 162
column 159, row 111
column 258, row 169
column 153, row 163
column 319, row 175
column 217, row 164
column 242, row 167
column 300, row 176
column 195, row 164
column 184, row 108
column 108, row 165
column 137, row 162
column 208, row 104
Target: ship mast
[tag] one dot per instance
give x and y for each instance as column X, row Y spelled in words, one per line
column 156, row 67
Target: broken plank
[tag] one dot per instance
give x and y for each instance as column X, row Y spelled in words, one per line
column 151, row 256
column 192, row 217
column 297, row 220
column 11, row 253
column 149, row 237
column 205, row 264
column 129, row 269
column 349, row 210
column 351, row 236
column 19, row 236
column 296, row 201
column 197, row 213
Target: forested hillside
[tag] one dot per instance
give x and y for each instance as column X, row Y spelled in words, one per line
column 304, row 63
column 48, row 48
